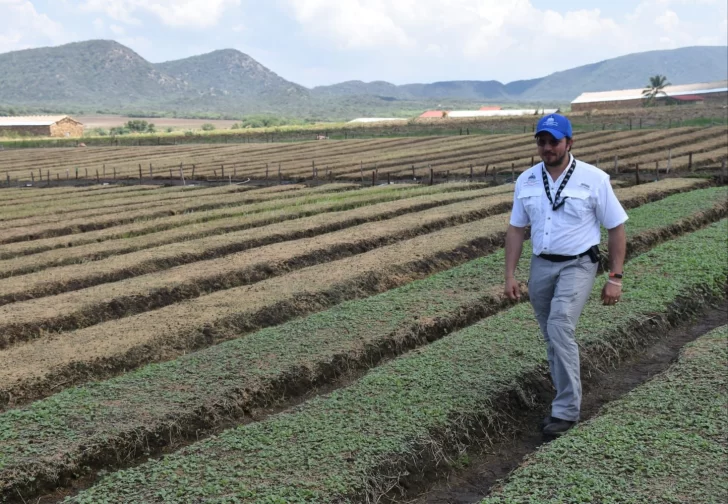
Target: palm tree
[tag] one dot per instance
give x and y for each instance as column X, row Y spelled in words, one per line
column 654, row 88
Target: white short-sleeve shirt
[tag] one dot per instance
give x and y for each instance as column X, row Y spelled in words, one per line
column 574, row 227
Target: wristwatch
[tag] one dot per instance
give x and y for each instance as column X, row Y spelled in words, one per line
column 615, row 275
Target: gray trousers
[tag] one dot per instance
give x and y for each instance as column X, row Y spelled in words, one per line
column 558, row 292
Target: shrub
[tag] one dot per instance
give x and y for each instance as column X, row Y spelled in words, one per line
column 208, row 127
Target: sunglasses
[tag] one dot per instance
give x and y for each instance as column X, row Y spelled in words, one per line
column 541, row 141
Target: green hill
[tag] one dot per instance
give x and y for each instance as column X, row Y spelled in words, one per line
column 103, row 75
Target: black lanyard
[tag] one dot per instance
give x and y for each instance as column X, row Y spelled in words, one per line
column 569, row 172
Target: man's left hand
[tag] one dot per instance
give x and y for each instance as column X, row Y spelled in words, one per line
column 611, row 293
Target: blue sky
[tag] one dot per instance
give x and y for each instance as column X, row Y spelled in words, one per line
column 318, row 42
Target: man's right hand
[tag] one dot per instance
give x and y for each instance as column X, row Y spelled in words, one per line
column 512, row 289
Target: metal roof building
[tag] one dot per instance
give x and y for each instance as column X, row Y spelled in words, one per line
column 53, row 126
column 713, row 92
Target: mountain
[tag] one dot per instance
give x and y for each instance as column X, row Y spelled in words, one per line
column 686, row 65
column 682, row 66
column 103, row 75
column 229, row 72
column 101, row 72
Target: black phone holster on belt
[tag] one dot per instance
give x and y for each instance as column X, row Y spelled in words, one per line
column 594, row 254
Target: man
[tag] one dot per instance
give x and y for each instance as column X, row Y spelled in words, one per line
column 564, row 201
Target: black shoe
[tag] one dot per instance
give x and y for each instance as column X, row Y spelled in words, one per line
column 557, row 427
column 549, row 419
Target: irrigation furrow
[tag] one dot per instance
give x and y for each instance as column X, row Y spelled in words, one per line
column 641, row 427
column 405, row 416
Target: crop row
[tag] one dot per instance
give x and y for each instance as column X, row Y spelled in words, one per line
column 59, row 223
column 108, row 347
column 268, row 212
column 215, row 262
column 231, row 276
column 664, row 442
column 651, row 146
column 346, row 159
column 305, row 226
column 406, row 415
column 126, row 160
column 144, row 407
column 520, row 153
column 96, row 205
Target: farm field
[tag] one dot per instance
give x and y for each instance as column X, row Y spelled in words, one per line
column 135, row 321
column 669, row 436
column 364, row 160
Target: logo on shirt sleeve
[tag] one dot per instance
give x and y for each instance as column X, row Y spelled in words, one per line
column 531, row 180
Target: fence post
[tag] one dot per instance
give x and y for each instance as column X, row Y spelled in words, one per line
column 630, row 124
column 7, row 176
column 723, row 172
column 86, row 170
column 48, row 177
column 495, row 174
column 97, row 175
column 616, row 164
column 640, row 123
column 669, row 160
column 279, row 172
column 432, row 175
column 374, row 175
column 32, row 177
column 413, row 172
column 485, row 174
column 114, row 172
column 182, row 175
column 151, row 176
column 657, row 170
column 77, row 173
column 388, row 179
column 637, row 173
column 266, row 171
column 140, row 174
column 471, row 172
column 513, row 173
column 690, row 161
column 361, row 170
column 192, row 177
column 222, row 170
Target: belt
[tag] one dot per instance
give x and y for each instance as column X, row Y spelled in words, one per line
column 561, row 258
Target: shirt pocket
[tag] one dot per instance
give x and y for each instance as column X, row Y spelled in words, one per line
column 531, row 197
column 576, row 206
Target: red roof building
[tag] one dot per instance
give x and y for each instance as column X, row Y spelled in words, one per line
column 432, row 113
column 491, row 107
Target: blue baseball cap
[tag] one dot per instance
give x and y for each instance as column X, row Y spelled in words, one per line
column 556, row 124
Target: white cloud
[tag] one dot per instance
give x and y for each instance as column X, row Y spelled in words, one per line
column 117, row 30
column 23, row 27
column 189, row 13
column 668, row 20
column 99, row 25
column 505, row 39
